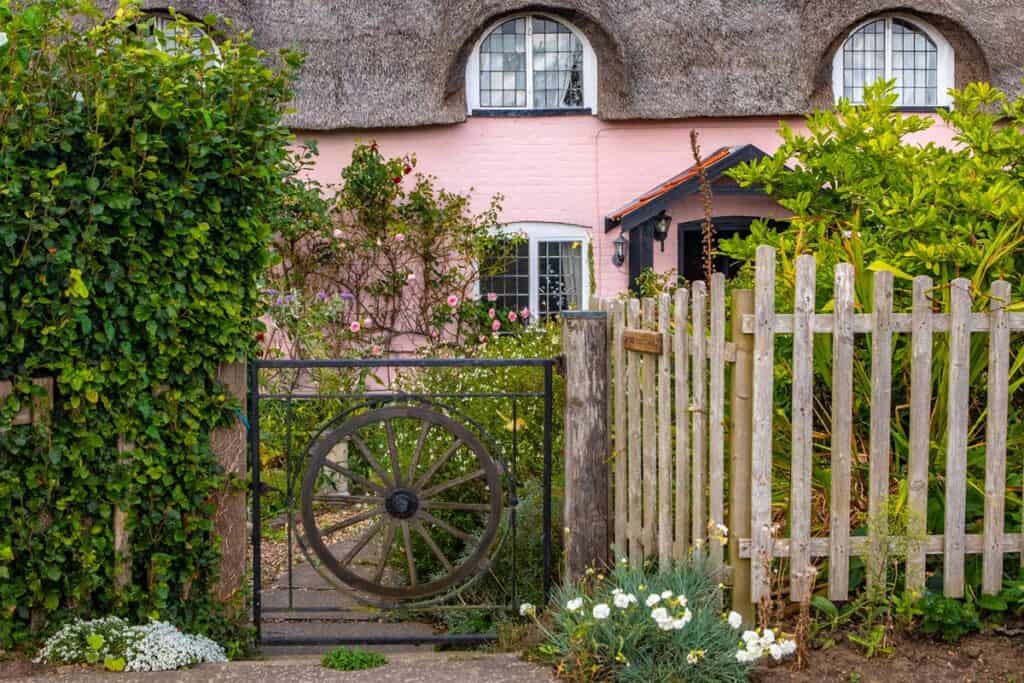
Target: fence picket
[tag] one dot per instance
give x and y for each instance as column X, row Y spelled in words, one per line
column 681, row 347
column 920, row 432
column 699, row 387
column 664, row 434
column 618, row 312
column 880, row 435
column 803, row 427
column 956, row 438
column 716, row 416
column 842, row 433
column 763, row 409
column 635, row 456
column 995, row 438
column 650, row 443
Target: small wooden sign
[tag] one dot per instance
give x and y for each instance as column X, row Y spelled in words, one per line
column 644, row 341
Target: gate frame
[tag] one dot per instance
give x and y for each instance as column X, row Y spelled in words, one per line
column 548, row 365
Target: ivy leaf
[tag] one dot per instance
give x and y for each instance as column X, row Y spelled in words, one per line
column 77, row 289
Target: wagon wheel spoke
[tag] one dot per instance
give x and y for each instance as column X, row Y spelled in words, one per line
column 335, row 498
column 419, row 450
column 433, row 546
column 358, row 478
column 374, row 463
column 389, row 540
column 453, row 483
column 408, row 553
column 361, row 543
column 440, row 523
column 444, row 505
column 396, row 465
column 355, row 519
column 437, row 464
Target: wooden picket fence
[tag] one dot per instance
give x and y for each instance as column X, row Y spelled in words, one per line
column 668, row 370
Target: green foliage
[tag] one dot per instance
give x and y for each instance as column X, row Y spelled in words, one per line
column 652, row 283
column 948, row 618
column 864, row 189
column 350, row 659
column 138, row 191
column 628, row 645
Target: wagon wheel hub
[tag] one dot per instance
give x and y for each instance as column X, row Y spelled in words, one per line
column 402, row 503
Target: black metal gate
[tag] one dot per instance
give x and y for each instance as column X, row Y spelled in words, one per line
column 367, row 474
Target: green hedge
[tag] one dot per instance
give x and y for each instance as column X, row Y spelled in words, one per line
column 138, row 191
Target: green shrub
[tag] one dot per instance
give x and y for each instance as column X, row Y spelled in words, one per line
column 349, row 659
column 138, row 193
column 635, row 626
column 948, row 618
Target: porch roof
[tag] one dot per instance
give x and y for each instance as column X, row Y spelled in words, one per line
column 648, row 205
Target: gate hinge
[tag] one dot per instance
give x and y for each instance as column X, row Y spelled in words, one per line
column 560, row 365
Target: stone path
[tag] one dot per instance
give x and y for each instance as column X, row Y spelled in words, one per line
column 406, row 667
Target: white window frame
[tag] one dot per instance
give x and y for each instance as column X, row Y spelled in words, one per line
column 945, row 57
column 537, row 232
column 589, row 67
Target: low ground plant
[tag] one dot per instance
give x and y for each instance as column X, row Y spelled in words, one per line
column 114, row 644
column 350, row 659
column 632, row 625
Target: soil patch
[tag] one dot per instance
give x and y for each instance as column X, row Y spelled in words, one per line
column 982, row 658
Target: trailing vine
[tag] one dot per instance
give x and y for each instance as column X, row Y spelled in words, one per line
column 138, row 191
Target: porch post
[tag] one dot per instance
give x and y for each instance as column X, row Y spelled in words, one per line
column 584, row 343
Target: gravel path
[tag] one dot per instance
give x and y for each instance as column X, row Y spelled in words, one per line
column 426, row 667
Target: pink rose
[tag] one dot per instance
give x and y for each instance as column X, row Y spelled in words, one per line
column 412, row 276
column 377, row 350
column 492, row 297
column 512, row 317
column 338, row 234
column 400, row 237
column 525, row 313
column 453, row 301
column 354, row 327
column 491, row 313
column 496, row 325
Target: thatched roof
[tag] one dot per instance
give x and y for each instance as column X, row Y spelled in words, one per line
column 384, row 63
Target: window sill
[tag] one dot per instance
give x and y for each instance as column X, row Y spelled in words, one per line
column 525, row 113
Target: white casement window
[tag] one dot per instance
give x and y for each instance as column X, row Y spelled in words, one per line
column 532, row 62
column 548, row 272
column 167, row 34
column 900, row 47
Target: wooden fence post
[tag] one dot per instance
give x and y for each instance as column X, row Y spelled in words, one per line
column 229, row 522
column 584, row 343
column 739, row 449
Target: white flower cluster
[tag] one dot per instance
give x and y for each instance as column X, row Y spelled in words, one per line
column 527, row 610
column 754, row 646
column 162, row 647
column 157, row 646
column 666, row 620
column 622, row 600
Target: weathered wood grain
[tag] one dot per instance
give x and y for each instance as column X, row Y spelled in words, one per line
column 880, row 436
column 842, row 433
column 634, row 416
column 681, row 353
column 763, row 411
column 995, row 438
column 920, row 431
column 716, row 418
column 802, row 425
column 665, row 536
column 956, row 437
column 699, row 408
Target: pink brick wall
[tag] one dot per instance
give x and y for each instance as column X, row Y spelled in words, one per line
column 570, row 169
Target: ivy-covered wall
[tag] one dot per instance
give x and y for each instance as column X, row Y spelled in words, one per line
column 140, row 178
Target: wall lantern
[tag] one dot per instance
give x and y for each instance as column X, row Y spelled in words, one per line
column 619, row 257
column 661, row 226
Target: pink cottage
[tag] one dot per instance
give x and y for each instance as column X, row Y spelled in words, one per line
column 579, row 111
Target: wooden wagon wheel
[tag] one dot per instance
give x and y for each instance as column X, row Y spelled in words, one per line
column 400, row 497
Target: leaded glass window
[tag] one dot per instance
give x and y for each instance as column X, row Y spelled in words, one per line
column 894, row 48
column 560, row 277
column 509, row 278
column 168, row 35
column 532, row 62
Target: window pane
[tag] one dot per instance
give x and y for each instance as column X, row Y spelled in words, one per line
column 507, row 274
column 914, row 65
column 863, row 59
column 558, row 54
column 503, row 65
column 559, row 276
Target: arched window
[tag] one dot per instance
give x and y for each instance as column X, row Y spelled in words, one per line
column 167, row 32
column 899, row 47
column 532, row 62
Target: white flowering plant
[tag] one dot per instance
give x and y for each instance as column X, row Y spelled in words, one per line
column 636, row 626
column 118, row 646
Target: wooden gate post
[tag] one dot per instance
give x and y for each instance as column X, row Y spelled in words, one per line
column 229, row 522
column 584, row 343
column 741, row 416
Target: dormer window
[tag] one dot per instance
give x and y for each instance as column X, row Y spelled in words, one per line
column 532, row 62
column 895, row 47
column 168, row 33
